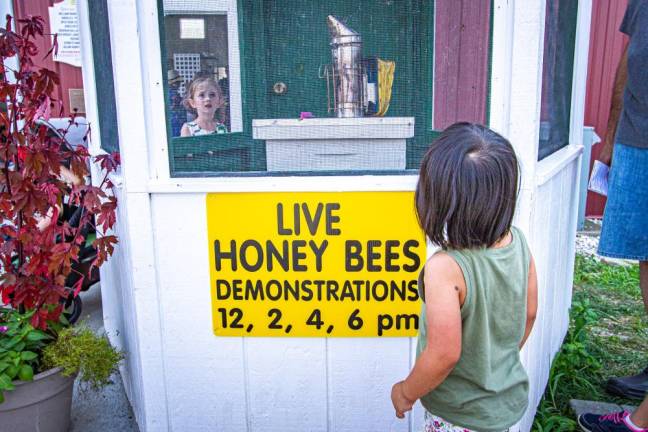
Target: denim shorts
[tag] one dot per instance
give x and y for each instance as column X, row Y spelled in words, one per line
column 625, row 222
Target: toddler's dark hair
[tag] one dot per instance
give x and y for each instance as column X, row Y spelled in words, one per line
column 467, row 187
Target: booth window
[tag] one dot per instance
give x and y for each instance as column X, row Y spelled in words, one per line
column 252, row 87
column 104, row 82
column 557, row 73
column 197, row 70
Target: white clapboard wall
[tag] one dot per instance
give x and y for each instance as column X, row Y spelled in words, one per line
column 552, row 241
column 289, row 384
column 180, row 377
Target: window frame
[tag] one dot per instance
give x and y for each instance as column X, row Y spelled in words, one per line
column 103, row 82
column 550, row 165
column 569, row 34
column 164, row 179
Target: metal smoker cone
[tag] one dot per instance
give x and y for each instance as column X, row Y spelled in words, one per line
column 337, row 28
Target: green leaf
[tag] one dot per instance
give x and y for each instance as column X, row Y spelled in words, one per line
column 13, row 341
column 28, row 355
column 64, row 320
column 12, row 372
column 5, row 381
column 37, row 335
column 1, row 397
column 26, row 373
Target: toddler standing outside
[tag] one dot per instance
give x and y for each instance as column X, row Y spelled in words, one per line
column 479, row 290
column 204, row 97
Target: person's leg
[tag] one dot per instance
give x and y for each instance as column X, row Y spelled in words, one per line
column 623, row 235
column 635, row 386
column 640, row 416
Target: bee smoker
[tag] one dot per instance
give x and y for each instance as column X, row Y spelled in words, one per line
column 355, row 86
column 345, row 75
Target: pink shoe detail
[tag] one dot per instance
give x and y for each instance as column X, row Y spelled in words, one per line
column 617, row 417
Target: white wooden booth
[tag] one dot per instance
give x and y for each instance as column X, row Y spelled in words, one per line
column 179, row 376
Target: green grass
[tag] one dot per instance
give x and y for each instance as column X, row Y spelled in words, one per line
column 608, row 336
column 620, row 336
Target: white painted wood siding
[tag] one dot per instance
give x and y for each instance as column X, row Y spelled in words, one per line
column 258, row 384
column 552, row 241
column 337, row 384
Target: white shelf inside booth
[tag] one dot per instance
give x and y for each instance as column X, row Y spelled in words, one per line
column 322, row 144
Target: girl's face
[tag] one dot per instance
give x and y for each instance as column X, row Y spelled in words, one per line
column 205, row 100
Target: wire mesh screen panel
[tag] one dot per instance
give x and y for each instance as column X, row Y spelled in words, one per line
column 557, row 73
column 333, row 87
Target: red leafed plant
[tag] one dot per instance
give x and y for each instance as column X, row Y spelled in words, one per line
column 42, row 178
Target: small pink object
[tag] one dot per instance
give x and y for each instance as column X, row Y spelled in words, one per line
column 305, row 115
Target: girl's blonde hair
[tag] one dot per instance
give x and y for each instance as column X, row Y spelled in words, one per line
column 192, row 89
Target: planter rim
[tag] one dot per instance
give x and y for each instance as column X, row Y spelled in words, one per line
column 42, row 404
column 40, row 376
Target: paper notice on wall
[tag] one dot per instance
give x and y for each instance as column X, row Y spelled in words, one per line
column 64, row 22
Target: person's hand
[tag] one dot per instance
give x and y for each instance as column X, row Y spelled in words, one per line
column 605, row 154
column 43, row 221
column 402, row 403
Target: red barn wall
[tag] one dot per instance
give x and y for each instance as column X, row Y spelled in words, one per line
column 606, row 47
column 462, row 33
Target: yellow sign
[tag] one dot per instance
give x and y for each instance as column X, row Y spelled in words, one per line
column 314, row 264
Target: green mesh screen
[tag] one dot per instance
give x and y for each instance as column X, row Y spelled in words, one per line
column 250, row 86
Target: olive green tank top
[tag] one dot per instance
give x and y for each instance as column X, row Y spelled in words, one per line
column 488, row 388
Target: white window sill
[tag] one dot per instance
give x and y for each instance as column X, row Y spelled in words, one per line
column 284, row 184
column 551, row 165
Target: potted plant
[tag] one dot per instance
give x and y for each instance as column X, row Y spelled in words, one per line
column 42, row 401
column 47, row 213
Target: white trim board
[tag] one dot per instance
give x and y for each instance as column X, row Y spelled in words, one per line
column 285, row 184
